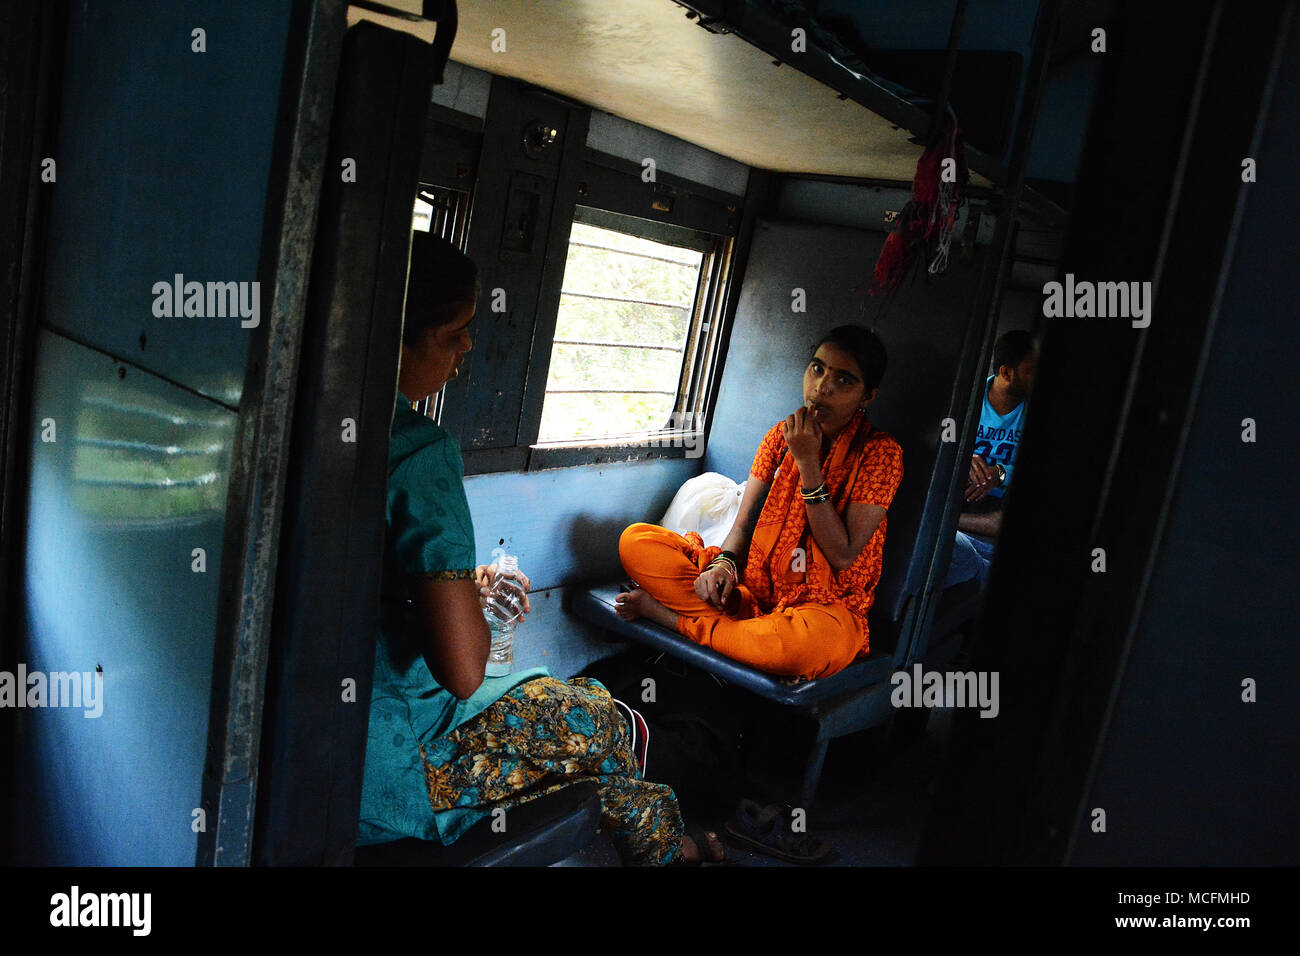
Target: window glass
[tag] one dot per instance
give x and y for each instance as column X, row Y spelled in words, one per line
column 626, row 310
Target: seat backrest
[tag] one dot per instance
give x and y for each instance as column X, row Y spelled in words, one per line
column 326, row 614
column 923, row 328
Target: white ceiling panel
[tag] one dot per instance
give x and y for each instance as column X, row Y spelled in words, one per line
column 645, row 61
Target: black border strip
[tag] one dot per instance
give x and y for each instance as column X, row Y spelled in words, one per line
column 33, row 54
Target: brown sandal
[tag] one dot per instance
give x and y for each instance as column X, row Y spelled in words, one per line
column 763, row 829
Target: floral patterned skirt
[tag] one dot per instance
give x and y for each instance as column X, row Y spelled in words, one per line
column 543, row 735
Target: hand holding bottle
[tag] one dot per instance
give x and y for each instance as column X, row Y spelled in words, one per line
column 505, row 601
column 483, row 577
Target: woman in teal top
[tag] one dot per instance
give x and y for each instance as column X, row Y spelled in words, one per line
column 446, row 745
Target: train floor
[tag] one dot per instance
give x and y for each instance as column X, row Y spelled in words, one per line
column 871, row 805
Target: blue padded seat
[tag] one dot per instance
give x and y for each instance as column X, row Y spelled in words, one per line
column 597, row 606
column 856, row 698
column 538, row 833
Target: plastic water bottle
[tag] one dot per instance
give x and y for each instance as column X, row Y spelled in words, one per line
column 505, row 602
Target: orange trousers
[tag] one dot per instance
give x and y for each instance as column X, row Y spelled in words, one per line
column 804, row 640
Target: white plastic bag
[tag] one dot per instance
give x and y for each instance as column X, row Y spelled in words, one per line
column 708, row 504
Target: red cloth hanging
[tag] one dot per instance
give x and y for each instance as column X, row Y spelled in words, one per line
column 930, row 215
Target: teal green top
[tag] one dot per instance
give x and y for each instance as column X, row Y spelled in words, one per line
column 429, row 533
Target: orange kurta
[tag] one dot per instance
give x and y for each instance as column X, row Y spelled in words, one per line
column 795, row 616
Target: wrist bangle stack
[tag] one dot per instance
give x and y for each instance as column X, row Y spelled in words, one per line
column 727, row 560
column 816, row 495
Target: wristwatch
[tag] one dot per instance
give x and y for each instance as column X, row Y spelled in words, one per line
column 1002, row 473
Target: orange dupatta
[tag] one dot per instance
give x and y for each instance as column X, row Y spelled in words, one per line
column 770, row 571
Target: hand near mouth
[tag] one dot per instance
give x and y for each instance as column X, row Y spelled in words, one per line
column 803, row 436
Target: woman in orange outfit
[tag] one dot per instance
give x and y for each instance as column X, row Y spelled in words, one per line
column 787, row 593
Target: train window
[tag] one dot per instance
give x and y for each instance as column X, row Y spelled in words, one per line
column 422, row 217
column 628, row 307
column 442, row 211
column 603, row 305
column 635, row 335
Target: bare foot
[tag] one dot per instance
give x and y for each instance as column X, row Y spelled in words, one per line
column 690, row 852
column 636, row 603
column 693, row 854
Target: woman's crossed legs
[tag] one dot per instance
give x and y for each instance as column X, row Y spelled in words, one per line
column 804, row 640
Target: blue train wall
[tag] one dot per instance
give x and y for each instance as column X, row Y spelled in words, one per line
column 133, row 415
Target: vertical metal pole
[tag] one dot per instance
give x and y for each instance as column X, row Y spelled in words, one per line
column 939, row 119
column 260, row 460
column 987, row 301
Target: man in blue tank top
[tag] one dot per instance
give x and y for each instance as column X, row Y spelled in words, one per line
column 996, row 443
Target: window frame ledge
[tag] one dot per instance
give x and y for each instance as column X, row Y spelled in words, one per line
column 667, row 444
